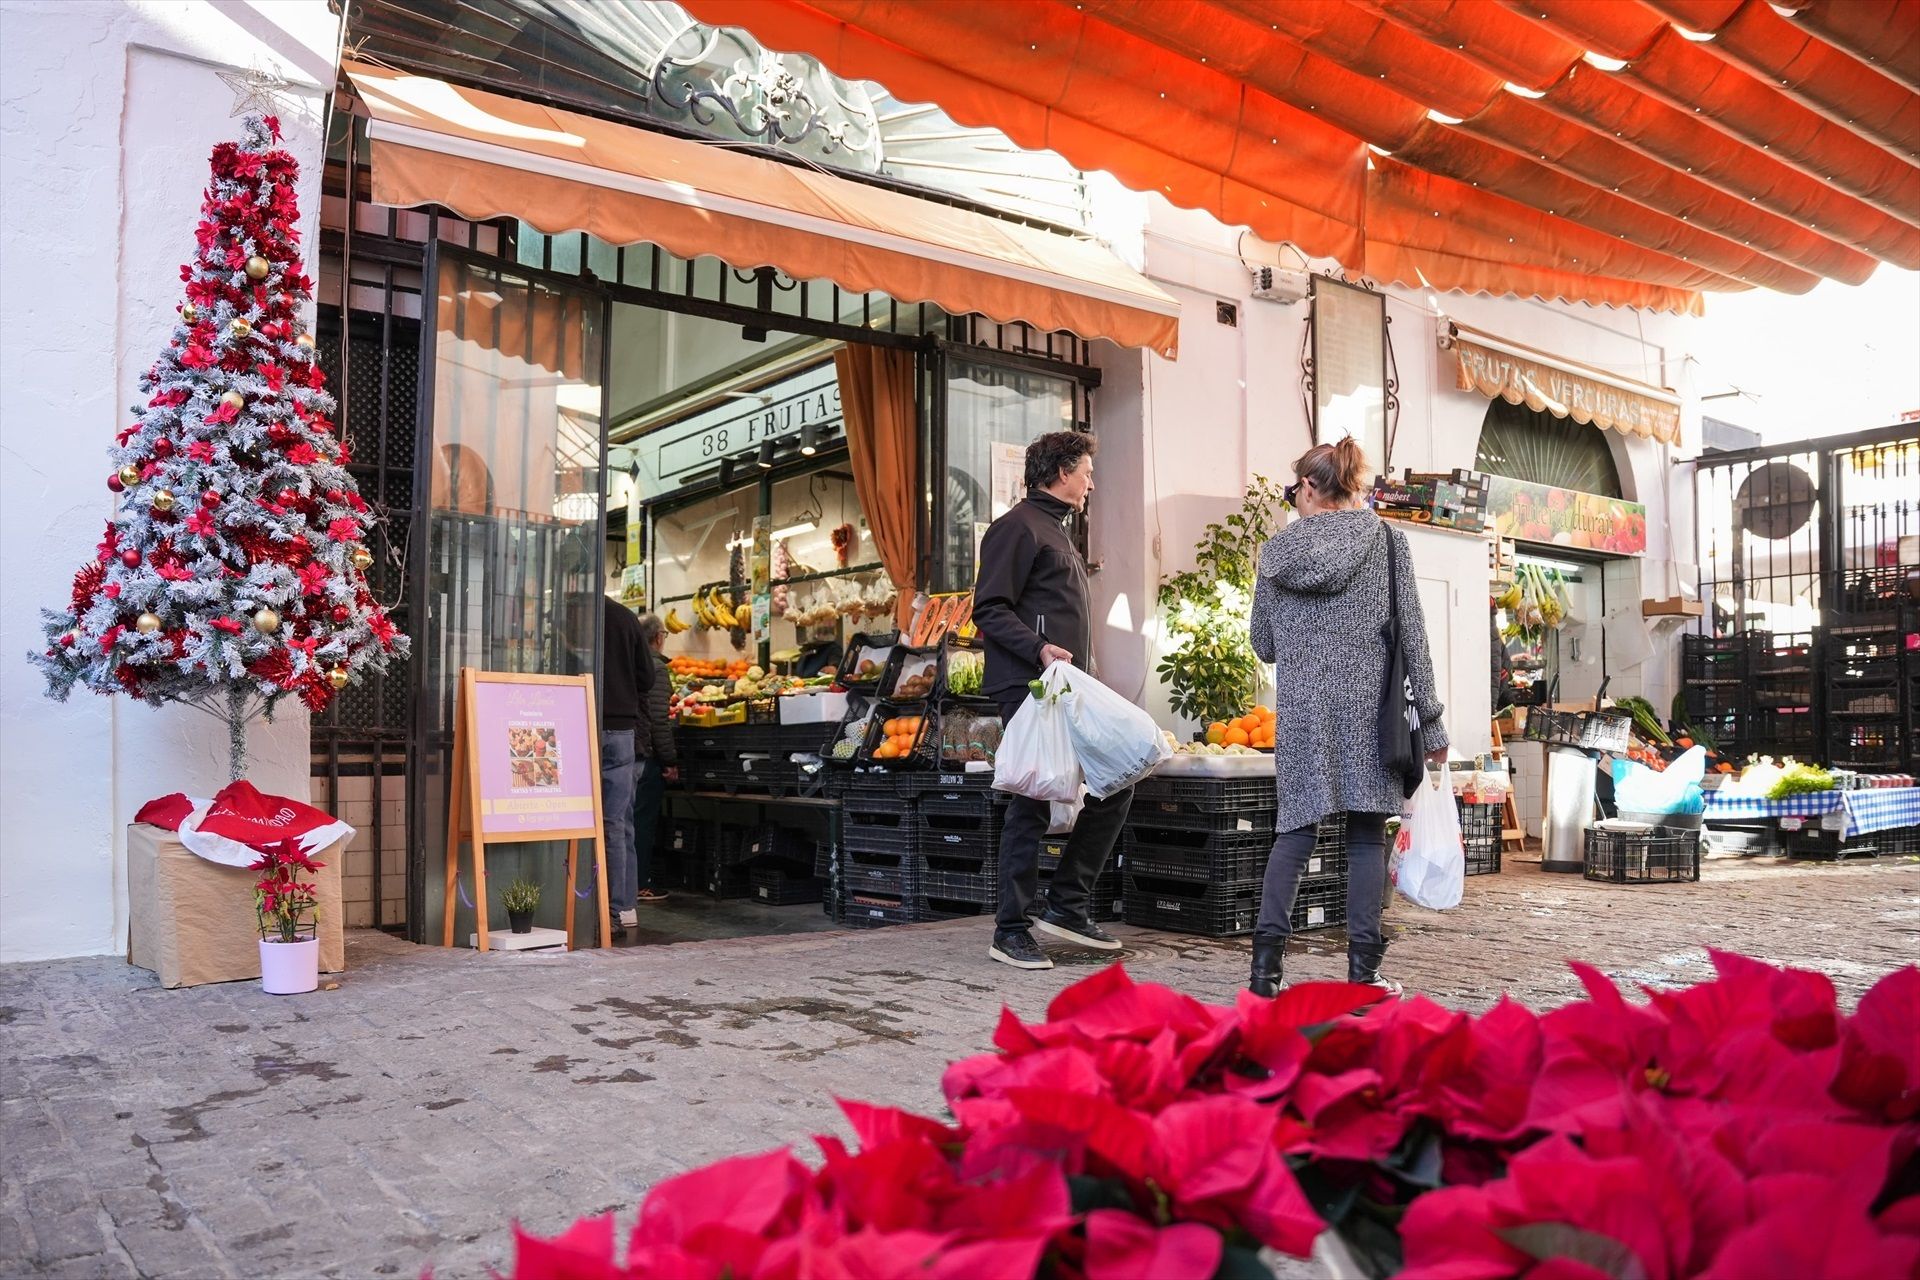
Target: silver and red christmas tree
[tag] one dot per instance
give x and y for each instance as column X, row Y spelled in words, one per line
column 233, row 573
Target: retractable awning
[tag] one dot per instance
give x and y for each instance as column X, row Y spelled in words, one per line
column 484, row 156
column 1630, row 152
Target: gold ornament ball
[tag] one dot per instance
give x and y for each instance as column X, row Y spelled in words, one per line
column 257, row 267
column 163, row 500
column 147, row 624
column 129, row 475
column 266, row 622
column 338, row 677
column 304, row 342
column 190, row 313
column 235, row 399
column 241, row 327
column 362, row 559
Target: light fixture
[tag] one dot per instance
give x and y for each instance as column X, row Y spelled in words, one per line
column 726, row 473
column 753, row 333
column 809, row 440
column 765, row 456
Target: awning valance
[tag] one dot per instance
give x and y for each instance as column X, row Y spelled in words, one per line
column 1636, row 152
column 484, row 155
column 1521, row 375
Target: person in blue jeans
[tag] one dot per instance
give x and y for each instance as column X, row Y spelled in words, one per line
column 627, row 675
column 659, row 760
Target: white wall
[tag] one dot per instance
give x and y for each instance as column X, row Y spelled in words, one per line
column 1180, row 439
column 108, row 117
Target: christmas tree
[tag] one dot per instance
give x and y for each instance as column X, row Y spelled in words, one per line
column 233, row 573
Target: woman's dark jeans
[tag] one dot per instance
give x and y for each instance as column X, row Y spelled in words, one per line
column 1366, row 880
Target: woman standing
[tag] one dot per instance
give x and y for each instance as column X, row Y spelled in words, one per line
column 1319, row 605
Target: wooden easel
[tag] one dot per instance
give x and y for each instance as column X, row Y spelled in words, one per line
column 466, row 807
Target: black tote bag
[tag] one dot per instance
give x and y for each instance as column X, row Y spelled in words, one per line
column 1400, row 749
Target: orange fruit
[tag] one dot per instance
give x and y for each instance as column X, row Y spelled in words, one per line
column 1216, row 732
column 1236, row 736
column 1265, row 714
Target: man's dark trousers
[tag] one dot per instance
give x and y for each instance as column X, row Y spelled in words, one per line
column 1088, row 849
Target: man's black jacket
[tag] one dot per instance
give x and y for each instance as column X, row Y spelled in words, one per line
column 1031, row 591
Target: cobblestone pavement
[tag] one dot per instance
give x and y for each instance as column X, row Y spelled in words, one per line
column 410, row 1115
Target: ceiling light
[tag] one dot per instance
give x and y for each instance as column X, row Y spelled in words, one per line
column 765, row 456
column 792, row 530
column 726, row 472
column 809, row 440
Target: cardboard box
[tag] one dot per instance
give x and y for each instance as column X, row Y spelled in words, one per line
column 192, row 921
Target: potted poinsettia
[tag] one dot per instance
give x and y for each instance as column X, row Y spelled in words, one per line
column 289, row 913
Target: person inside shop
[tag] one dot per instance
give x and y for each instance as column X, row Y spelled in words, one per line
column 627, row 675
column 1031, row 607
column 1321, row 601
column 658, row 763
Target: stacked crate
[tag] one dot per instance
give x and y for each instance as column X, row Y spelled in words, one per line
column 1864, row 666
column 1196, row 854
column 1782, row 719
column 1714, row 671
column 1480, row 829
column 879, row 872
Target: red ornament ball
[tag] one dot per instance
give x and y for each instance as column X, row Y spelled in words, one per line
column 211, row 498
column 162, row 447
column 286, row 497
column 341, row 613
column 130, row 558
column 113, row 483
column 334, row 495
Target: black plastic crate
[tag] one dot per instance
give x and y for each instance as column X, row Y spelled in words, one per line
column 1880, row 669
column 1480, row 827
column 1898, row 842
column 727, row 880
column 1193, row 826
column 924, row 745
column 1621, row 857
column 1183, row 906
column 873, row 911
column 1871, row 744
column 925, row 667
column 1320, row 904
column 1227, row 860
column 1593, row 730
column 781, row 887
column 938, row 907
column 864, row 807
column 1165, row 796
column 962, row 877
column 822, row 861
column 1814, row 841
column 961, row 808
column 884, row 871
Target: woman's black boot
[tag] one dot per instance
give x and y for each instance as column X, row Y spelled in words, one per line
column 1267, row 960
column 1363, row 966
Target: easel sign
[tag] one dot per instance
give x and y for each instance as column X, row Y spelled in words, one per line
column 526, row 766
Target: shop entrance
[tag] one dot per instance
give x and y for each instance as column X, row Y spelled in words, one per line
column 684, row 444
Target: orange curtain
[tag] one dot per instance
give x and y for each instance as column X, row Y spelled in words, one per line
column 883, row 439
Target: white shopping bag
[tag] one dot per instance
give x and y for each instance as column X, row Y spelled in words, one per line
column 1036, row 757
column 1062, row 816
column 1429, row 859
column 1116, row 742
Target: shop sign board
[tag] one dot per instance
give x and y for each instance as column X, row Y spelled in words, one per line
column 1566, row 517
column 808, row 398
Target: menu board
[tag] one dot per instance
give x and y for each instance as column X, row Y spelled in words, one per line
column 537, row 757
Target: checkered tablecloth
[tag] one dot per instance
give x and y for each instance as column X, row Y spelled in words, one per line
column 1865, row 812
column 1880, row 809
column 1812, row 804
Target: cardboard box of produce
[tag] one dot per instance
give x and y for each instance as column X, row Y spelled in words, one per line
column 192, row 921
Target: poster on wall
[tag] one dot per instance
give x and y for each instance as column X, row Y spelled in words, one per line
column 537, row 767
column 1009, row 473
column 1566, row 517
column 761, row 573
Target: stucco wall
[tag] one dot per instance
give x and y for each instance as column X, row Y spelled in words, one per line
column 107, row 117
column 1180, row 439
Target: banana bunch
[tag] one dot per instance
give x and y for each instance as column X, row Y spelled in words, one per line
column 716, row 610
column 674, row 623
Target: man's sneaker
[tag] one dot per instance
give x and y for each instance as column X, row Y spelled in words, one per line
column 630, row 917
column 1018, row 950
column 651, row 895
column 1083, row 933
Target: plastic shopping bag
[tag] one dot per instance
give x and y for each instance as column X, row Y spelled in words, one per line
column 1062, row 817
column 1036, row 756
column 1117, row 743
column 1429, row 859
column 1675, row 789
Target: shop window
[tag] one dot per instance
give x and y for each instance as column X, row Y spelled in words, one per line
column 993, row 413
column 1539, row 448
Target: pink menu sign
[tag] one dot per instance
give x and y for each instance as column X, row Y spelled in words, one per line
column 536, row 757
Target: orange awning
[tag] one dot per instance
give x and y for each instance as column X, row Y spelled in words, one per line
column 483, row 156
column 1635, row 152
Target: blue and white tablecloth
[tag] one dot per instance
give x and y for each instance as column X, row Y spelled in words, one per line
column 1864, row 812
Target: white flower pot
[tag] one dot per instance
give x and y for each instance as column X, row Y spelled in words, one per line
column 289, row 968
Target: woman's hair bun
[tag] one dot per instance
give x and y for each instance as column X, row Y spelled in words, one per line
column 1339, row 470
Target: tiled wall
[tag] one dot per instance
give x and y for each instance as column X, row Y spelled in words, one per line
column 354, row 805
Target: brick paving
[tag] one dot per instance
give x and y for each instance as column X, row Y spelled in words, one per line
column 408, row 1116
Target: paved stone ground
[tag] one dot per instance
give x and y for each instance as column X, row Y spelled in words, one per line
column 408, row 1116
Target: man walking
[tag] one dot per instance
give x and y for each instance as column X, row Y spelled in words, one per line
column 659, row 760
column 1030, row 604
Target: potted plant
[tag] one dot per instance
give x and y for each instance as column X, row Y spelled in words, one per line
column 1210, row 668
column 520, row 899
column 289, row 915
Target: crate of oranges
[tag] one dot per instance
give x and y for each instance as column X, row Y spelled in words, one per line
column 897, row 740
column 1254, row 729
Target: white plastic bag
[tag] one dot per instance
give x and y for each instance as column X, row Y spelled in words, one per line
column 1036, row 757
column 1429, row 858
column 1062, row 817
column 1116, row 742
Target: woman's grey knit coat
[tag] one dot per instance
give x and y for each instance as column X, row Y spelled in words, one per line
column 1318, row 607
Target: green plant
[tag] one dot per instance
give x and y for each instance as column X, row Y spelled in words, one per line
column 1211, row 671
column 521, row 895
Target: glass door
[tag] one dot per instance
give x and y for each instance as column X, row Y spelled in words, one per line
column 509, row 563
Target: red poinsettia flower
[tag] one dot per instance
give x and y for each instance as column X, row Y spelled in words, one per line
column 1121, row 1246
column 1880, row 1051
column 229, row 625
column 343, row 530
